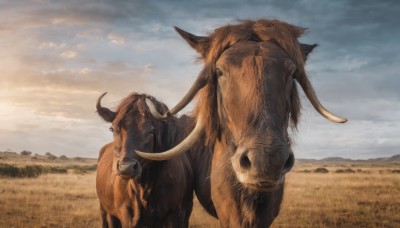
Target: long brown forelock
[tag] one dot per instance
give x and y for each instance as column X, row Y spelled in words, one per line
column 128, row 105
column 224, row 37
column 286, row 35
column 283, row 34
column 255, row 65
column 124, row 107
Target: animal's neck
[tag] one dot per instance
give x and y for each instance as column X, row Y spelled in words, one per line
column 182, row 127
column 251, row 208
column 170, row 133
column 143, row 186
column 259, row 208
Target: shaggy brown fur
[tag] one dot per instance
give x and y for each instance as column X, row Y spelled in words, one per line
column 162, row 194
column 246, row 108
column 281, row 33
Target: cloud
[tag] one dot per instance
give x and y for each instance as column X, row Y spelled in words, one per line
column 355, row 139
column 70, row 91
column 58, row 57
column 68, row 54
column 116, row 39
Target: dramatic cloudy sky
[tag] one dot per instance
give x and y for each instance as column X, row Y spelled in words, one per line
column 57, row 57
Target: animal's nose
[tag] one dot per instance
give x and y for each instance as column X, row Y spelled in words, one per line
column 243, row 160
column 129, row 167
column 289, row 163
column 260, row 163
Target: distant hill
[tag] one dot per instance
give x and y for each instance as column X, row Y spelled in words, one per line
column 27, row 158
column 392, row 159
column 395, row 158
column 24, row 157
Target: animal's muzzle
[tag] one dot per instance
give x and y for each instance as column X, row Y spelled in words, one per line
column 260, row 169
column 130, row 168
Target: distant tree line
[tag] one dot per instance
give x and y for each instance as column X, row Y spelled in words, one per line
column 7, row 170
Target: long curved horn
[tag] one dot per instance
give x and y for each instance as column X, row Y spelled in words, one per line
column 179, row 149
column 105, row 113
column 310, row 93
column 200, row 82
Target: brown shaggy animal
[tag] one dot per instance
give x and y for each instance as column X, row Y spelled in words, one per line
column 247, row 100
column 136, row 192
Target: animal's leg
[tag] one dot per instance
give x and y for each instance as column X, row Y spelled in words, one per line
column 103, row 214
column 176, row 219
column 126, row 218
column 114, row 222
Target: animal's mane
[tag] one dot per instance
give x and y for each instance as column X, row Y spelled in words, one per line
column 166, row 131
column 281, row 33
column 128, row 105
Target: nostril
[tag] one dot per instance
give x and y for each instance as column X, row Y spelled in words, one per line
column 135, row 165
column 245, row 161
column 289, row 163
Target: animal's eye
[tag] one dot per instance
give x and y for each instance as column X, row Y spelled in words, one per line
column 151, row 132
column 111, row 129
column 219, row 72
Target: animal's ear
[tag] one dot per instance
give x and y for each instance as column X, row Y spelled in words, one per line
column 307, row 49
column 199, row 43
column 105, row 113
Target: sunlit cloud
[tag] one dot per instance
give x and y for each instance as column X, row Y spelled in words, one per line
column 69, row 54
column 116, row 39
column 58, row 56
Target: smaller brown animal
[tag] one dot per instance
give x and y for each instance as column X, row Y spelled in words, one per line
column 136, row 192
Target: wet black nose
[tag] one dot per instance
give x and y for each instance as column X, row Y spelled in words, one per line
column 129, row 167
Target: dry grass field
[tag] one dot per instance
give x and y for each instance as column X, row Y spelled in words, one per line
column 369, row 196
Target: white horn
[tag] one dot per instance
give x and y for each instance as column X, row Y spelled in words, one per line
column 179, row 149
column 312, row 97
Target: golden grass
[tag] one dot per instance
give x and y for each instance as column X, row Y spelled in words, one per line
column 370, row 198
column 365, row 199
column 54, row 200
column 200, row 218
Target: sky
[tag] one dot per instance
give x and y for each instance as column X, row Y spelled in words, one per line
column 58, row 57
